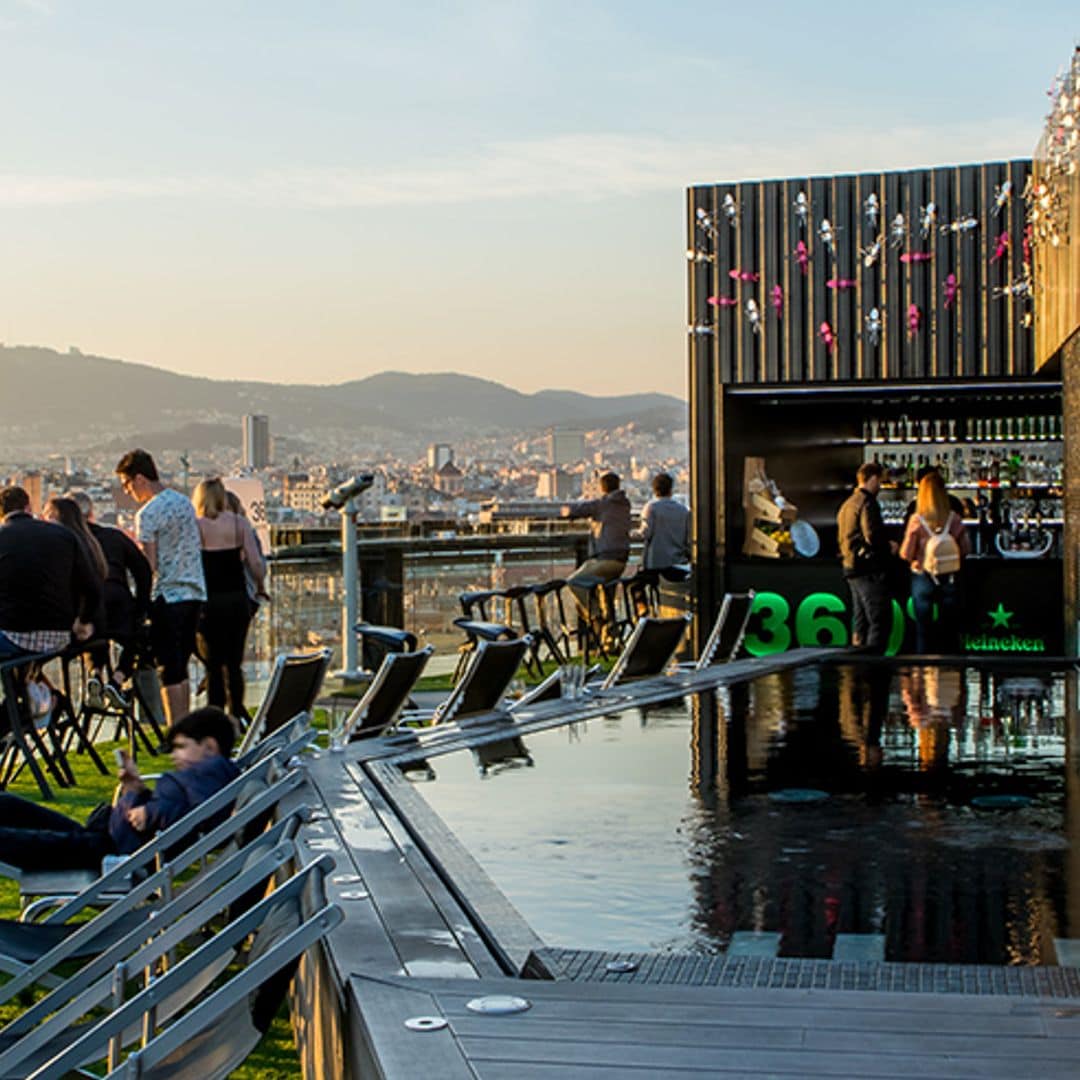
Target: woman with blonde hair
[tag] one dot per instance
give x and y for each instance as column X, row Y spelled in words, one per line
column 935, row 545
column 229, row 548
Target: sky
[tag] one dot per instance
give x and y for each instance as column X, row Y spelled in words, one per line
column 319, row 191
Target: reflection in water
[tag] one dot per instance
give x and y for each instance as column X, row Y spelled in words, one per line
column 602, row 845
column 494, row 757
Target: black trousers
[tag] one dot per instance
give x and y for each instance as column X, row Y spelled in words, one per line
column 222, row 638
column 870, row 611
column 33, row 837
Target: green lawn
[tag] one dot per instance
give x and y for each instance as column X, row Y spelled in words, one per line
column 276, row 1057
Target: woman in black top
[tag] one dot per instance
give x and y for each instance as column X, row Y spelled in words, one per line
column 229, row 546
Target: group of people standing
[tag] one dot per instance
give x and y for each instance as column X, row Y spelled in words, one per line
column 194, row 573
column 934, row 545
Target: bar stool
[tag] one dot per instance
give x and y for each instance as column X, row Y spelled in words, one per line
column 554, row 636
column 593, row 613
column 475, row 605
column 642, row 594
column 377, row 641
column 517, row 618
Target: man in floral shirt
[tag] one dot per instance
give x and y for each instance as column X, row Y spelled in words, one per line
column 166, row 528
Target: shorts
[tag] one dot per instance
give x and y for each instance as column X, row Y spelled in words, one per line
column 172, row 633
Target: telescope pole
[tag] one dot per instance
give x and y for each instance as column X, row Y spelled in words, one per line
column 350, row 576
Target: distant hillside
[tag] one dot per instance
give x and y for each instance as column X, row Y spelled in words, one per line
column 79, row 400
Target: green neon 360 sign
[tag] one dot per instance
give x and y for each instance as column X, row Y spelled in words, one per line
column 819, row 621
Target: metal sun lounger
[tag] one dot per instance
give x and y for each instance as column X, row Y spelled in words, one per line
column 233, row 886
column 294, row 685
column 386, row 695
column 727, row 633
column 649, row 650
column 57, row 942
column 487, row 678
column 217, row 1034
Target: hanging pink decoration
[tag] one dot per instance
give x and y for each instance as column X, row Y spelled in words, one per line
column 825, row 332
column 916, row 256
column 776, row 298
column 722, row 301
column 952, row 287
column 802, row 256
column 1026, row 243
column 914, row 319
column 743, row 275
column 841, row 283
column 1001, row 246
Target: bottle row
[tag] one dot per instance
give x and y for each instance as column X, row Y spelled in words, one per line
column 974, row 466
column 968, row 429
column 979, row 510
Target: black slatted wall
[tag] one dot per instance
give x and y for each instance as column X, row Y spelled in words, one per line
column 978, row 334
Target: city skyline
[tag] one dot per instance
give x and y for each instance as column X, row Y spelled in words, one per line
column 260, row 192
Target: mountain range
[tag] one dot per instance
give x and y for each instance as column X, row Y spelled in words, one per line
column 71, row 400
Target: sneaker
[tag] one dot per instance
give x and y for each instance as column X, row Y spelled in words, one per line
column 115, row 696
column 94, row 696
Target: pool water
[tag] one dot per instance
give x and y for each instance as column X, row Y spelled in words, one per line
column 660, row 829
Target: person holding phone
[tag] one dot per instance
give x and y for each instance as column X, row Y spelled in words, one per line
column 33, row 837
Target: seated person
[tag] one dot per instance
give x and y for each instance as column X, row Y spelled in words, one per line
column 33, row 837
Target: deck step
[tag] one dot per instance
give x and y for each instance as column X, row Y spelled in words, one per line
column 754, row 943
column 1068, row 951
column 860, row 948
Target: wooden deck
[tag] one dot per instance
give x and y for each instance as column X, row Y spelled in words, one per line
column 593, row 1031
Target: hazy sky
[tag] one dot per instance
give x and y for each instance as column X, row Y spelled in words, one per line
column 316, row 191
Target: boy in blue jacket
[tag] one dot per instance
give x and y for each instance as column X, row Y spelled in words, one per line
column 33, row 837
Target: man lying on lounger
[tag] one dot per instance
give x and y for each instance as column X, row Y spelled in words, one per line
column 33, row 837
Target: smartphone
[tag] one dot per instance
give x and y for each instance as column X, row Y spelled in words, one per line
column 121, row 758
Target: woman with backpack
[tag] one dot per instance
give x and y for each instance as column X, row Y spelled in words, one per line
column 935, row 545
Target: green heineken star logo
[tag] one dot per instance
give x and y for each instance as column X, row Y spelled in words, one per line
column 1000, row 617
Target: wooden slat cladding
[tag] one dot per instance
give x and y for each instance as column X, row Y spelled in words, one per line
column 1057, row 268
column 941, row 292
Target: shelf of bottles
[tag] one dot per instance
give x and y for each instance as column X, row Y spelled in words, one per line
column 1005, row 470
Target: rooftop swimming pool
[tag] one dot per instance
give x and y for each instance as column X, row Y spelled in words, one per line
column 938, row 807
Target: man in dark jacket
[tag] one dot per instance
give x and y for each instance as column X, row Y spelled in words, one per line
column 48, row 587
column 33, row 837
column 864, row 552
column 609, row 544
column 125, row 613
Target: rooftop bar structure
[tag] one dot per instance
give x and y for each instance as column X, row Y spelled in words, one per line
column 936, row 322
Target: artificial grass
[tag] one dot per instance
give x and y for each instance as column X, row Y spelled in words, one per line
column 276, row 1057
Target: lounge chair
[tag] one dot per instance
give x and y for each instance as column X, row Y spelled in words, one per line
column 548, row 689
column 202, row 1035
column 485, row 682
column 726, row 637
column 649, row 651
column 233, row 883
column 482, row 688
column 294, row 685
column 387, row 694
column 30, row 951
